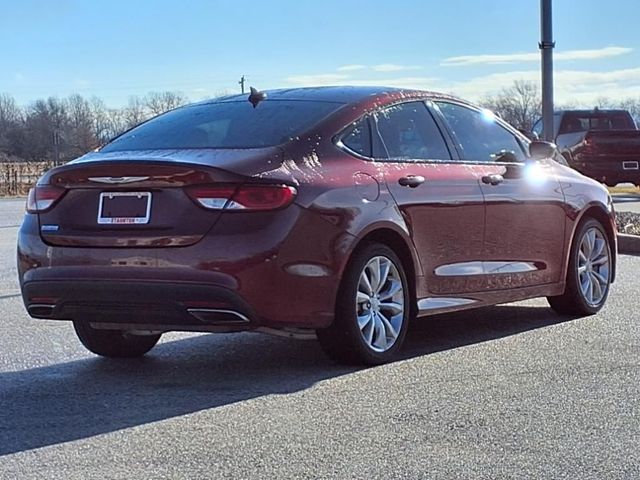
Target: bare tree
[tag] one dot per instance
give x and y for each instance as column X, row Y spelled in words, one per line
column 100, row 120
column 107, row 122
column 45, row 126
column 80, row 133
column 520, row 104
column 54, row 129
column 160, row 102
column 134, row 112
column 10, row 113
column 10, row 120
column 632, row 105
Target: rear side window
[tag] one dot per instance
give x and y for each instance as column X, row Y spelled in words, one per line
column 228, row 124
column 358, row 138
column 574, row 123
column 479, row 136
column 409, row 132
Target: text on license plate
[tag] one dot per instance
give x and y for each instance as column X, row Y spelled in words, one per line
column 124, row 208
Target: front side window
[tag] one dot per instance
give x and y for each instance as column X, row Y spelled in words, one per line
column 226, row 124
column 408, row 132
column 537, row 128
column 480, row 137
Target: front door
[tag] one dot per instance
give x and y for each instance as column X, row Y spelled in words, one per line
column 439, row 198
column 525, row 218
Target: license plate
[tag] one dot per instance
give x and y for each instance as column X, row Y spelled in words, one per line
column 122, row 208
column 630, row 165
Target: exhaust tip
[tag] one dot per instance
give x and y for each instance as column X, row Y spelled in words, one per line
column 216, row 316
column 41, row 310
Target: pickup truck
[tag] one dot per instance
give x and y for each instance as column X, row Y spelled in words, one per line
column 601, row 144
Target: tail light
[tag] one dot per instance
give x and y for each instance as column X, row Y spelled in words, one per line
column 42, row 197
column 588, row 144
column 242, row 198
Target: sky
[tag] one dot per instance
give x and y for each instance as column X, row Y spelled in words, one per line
column 115, row 49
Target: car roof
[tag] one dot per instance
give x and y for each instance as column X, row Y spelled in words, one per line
column 338, row 94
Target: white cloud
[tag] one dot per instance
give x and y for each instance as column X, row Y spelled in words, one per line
column 423, row 83
column 581, row 86
column 334, row 79
column 80, row 83
column 571, row 85
column 202, row 93
column 351, row 68
column 466, row 60
column 382, row 67
column 392, row 67
column 318, row 79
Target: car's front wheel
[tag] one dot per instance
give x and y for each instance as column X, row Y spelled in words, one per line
column 114, row 343
column 589, row 273
column 372, row 311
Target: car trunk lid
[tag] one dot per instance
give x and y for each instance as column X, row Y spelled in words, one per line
column 141, row 200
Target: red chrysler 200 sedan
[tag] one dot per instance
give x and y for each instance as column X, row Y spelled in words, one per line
column 342, row 212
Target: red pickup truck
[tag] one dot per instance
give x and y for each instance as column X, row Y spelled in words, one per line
column 601, row 144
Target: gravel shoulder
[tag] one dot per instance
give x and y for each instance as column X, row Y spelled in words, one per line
column 628, row 223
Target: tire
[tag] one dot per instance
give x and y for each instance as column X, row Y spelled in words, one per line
column 384, row 323
column 114, row 343
column 586, row 292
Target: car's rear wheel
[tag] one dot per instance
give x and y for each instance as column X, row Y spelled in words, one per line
column 372, row 311
column 589, row 274
column 114, row 343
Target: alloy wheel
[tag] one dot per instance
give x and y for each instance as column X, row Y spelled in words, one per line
column 380, row 307
column 593, row 266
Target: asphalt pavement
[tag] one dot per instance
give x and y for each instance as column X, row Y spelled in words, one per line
column 503, row 392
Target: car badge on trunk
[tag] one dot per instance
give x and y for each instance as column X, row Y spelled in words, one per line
column 114, row 180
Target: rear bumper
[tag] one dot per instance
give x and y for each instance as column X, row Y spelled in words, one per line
column 609, row 170
column 249, row 272
column 140, row 305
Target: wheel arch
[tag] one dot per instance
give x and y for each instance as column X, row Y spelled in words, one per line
column 597, row 212
column 400, row 244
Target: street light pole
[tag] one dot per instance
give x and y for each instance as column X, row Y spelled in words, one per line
column 546, row 46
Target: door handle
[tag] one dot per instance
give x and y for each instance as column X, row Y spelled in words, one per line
column 493, row 179
column 412, row 181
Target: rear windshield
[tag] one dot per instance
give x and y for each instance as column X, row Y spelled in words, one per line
column 572, row 123
column 225, row 125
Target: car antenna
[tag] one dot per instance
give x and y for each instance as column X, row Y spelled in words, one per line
column 255, row 97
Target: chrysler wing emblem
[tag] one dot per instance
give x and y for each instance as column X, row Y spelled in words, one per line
column 114, row 180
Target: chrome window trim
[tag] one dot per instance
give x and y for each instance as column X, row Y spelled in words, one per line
column 522, row 141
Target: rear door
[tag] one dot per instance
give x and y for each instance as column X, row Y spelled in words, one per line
column 525, row 215
column 439, row 198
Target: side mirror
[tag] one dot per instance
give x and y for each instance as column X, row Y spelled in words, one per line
column 539, row 150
